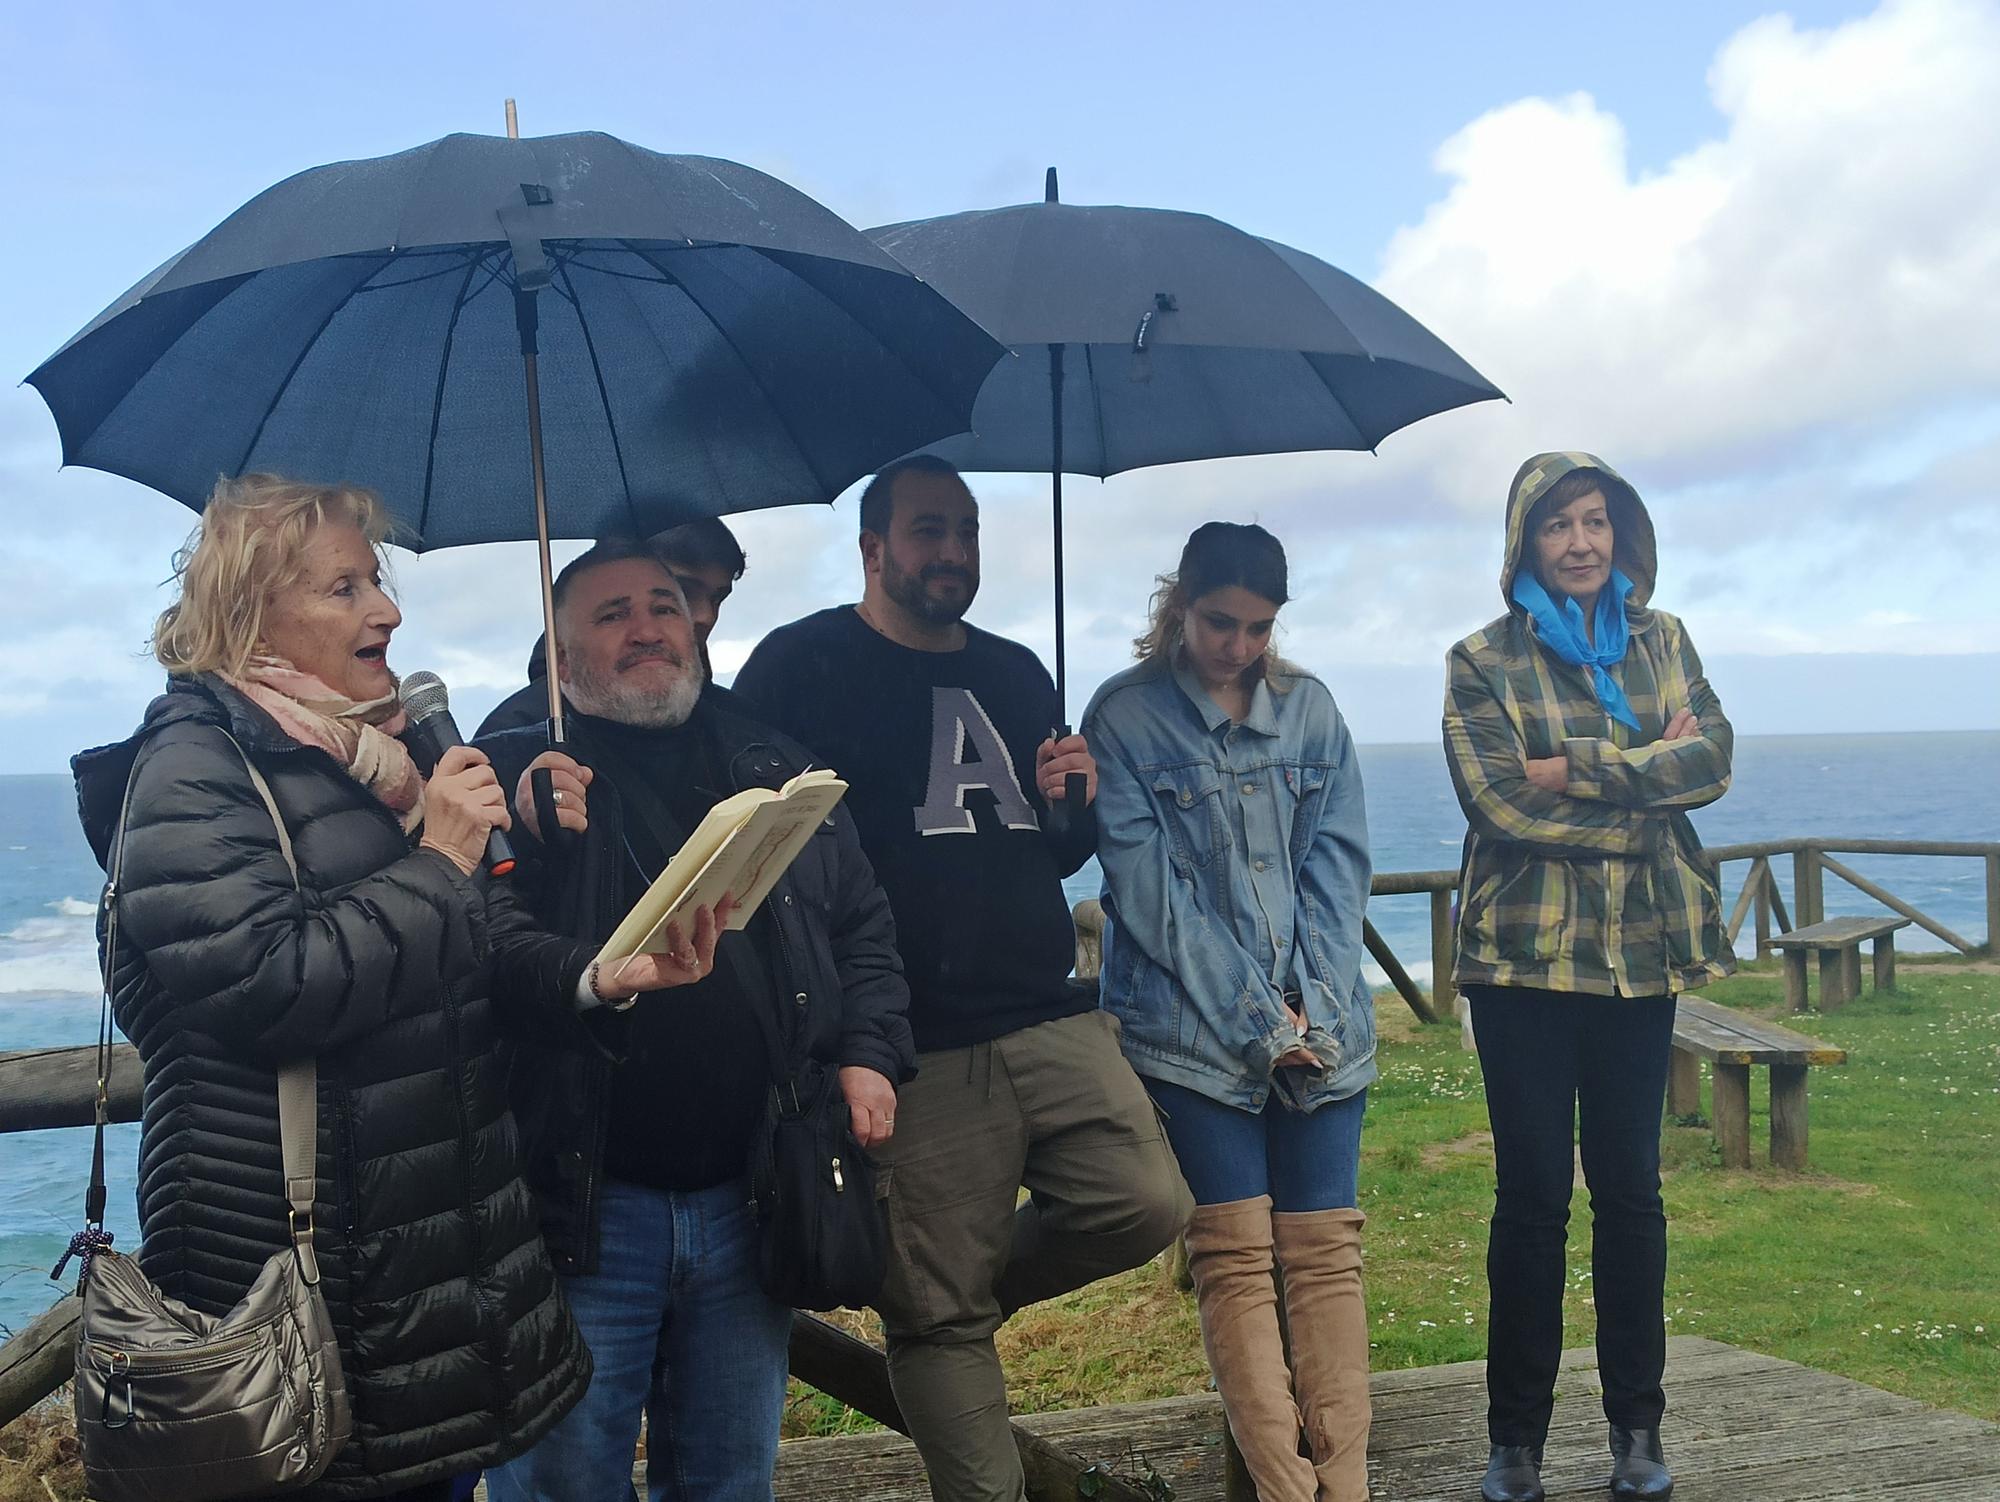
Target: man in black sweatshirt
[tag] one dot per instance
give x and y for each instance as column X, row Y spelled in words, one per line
column 942, row 733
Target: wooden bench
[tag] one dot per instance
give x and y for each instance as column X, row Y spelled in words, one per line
column 1732, row 1042
column 1838, row 943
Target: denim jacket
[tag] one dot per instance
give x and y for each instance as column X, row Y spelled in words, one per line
column 1235, row 872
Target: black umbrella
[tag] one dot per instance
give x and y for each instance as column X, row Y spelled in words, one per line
column 1169, row 336
column 697, row 338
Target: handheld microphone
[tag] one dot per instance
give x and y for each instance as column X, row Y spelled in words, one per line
column 428, row 706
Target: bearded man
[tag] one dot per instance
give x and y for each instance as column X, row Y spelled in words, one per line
column 941, row 731
column 638, row 1147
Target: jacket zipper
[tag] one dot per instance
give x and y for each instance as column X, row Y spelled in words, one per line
column 165, row 1363
column 488, row 1324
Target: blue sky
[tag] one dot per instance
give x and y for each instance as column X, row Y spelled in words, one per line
column 1753, row 257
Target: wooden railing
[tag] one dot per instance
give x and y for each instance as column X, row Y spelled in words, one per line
column 56, row 1087
column 1811, row 862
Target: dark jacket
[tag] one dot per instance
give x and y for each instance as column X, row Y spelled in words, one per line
column 835, row 963
column 457, row 1347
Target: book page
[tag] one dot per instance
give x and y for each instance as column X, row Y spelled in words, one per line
column 743, row 846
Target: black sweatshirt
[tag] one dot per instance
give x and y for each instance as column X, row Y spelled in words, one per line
column 689, row 1090
column 938, row 749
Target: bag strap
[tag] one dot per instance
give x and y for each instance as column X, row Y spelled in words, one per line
column 298, row 1082
column 298, row 1085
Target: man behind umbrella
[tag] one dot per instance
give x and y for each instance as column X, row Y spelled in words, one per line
column 933, row 723
column 637, row 1150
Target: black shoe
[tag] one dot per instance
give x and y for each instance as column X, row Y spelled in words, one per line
column 1638, row 1469
column 1513, row 1474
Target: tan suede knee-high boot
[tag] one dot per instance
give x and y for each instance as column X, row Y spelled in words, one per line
column 1319, row 1253
column 1230, row 1254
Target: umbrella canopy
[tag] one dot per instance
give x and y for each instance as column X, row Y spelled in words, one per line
column 710, row 341
column 1182, row 338
column 1168, row 336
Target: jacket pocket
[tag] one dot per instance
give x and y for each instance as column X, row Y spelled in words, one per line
column 1525, row 913
column 1190, row 801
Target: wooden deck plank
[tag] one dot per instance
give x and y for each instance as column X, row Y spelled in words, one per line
column 1740, row 1427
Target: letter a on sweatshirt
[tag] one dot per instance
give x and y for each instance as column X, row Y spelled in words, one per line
column 960, row 728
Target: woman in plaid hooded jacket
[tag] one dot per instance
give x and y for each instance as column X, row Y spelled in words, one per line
column 1579, row 729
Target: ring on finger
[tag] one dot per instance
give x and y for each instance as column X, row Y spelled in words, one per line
column 558, row 798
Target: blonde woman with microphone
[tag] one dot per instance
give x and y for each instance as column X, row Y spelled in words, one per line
column 377, row 960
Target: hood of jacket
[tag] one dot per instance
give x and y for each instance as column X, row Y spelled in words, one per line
column 1633, row 548
column 205, row 699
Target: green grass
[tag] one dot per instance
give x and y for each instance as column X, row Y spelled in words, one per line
column 1882, row 1263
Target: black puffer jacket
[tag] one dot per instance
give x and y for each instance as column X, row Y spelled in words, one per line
column 836, row 962
column 458, row 1349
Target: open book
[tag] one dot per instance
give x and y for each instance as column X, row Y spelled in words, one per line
column 743, row 846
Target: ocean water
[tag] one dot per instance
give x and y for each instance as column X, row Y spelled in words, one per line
column 1936, row 787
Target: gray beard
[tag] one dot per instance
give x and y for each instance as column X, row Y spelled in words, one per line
column 608, row 699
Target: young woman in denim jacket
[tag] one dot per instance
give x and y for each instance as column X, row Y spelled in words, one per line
column 1235, row 854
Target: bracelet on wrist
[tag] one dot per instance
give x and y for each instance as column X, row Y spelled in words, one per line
column 616, row 1003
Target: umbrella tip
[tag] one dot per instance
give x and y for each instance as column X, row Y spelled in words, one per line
column 1049, row 188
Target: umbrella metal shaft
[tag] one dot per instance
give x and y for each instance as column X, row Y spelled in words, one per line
column 528, row 368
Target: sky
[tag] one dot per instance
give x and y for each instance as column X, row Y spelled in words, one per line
column 1750, row 256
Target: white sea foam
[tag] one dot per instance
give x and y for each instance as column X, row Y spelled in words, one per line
column 50, row 956
column 73, row 907
column 1419, row 970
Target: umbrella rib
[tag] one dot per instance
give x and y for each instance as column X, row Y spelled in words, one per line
column 1097, row 413
column 437, row 395
column 603, row 399
column 285, row 385
column 1373, row 440
column 917, row 378
column 749, row 369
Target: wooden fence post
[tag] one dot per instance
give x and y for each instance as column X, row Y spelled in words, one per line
column 1761, row 870
column 1444, row 940
column 1993, row 905
column 1808, row 898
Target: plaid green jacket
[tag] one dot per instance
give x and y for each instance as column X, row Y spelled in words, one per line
column 1603, row 889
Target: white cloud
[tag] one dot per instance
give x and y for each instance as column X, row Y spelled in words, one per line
column 1783, row 334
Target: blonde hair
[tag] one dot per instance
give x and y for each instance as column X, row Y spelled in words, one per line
column 249, row 548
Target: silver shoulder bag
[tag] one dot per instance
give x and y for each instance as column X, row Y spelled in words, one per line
column 173, row 1405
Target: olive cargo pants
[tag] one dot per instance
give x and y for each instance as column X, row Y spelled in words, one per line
column 1055, row 1108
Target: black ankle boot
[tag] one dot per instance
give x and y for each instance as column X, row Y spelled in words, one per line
column 1513, row 1474
column 1638, row 1469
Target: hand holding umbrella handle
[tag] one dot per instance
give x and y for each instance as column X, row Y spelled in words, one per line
column 1069, row 812
column 541, row 784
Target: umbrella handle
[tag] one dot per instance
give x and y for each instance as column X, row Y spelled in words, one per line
column 1072, row 810
column 542, row 785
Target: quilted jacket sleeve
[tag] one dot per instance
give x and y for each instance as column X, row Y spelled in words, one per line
column 245, row 955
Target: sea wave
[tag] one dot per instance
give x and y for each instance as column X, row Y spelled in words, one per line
column 1375, row 975
column 73, row 907
column 51, row 956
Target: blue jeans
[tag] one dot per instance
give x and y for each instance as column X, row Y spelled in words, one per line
column 1304, row 1162
column 679, row 1328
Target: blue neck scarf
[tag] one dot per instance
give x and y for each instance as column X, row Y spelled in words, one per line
column 1561, row 630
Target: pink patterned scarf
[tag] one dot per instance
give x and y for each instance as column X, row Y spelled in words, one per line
column 361, row 737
